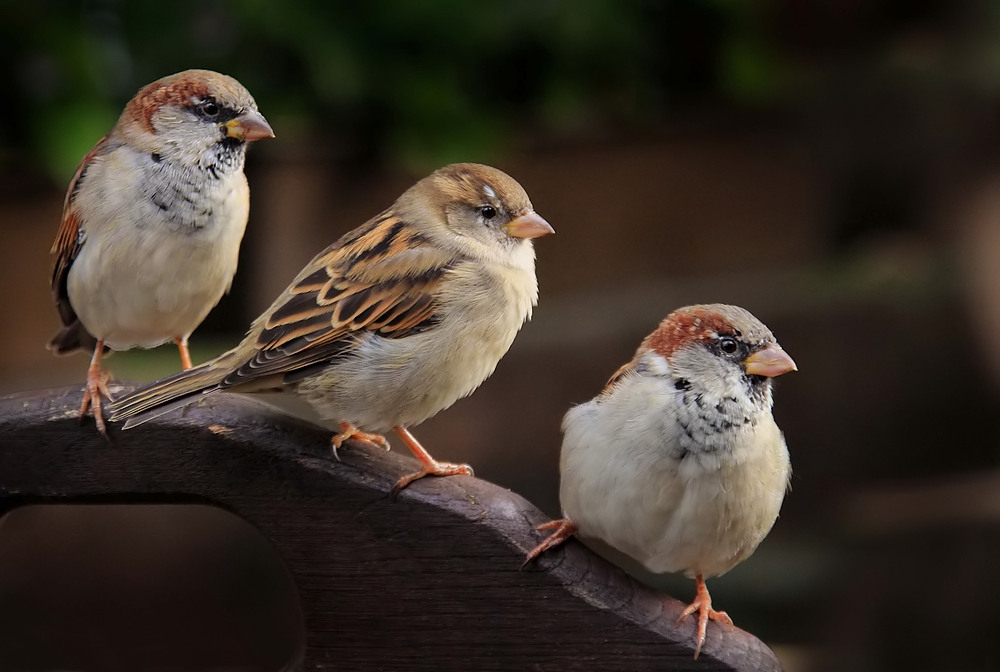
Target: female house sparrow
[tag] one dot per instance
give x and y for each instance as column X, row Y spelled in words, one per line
column 678, row 463
column 153, row 220
column 392, row 323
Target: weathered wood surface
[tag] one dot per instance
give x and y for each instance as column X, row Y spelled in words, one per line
column 372, row 571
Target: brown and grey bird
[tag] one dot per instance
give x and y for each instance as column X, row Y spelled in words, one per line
column 678, row 462
column 392, row 323
column 153, row 220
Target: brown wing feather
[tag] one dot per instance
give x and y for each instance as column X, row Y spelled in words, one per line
column 380, row 278
column 65, row 248
column 616, row 377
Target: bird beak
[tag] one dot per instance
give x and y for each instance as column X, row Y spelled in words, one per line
column 248, row 127
column 528, row 224
column 770, row 362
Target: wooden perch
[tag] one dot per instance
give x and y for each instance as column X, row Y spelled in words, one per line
column 444, row 555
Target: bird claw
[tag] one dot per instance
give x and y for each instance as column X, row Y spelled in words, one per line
column 429, row 466
column 703, row 605
column 564, row 528
column 433, row 469
column 350, row 432
column 94, row 389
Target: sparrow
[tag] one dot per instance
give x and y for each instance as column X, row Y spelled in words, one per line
column 678, row 462
column 152, row 222
column 392, row 323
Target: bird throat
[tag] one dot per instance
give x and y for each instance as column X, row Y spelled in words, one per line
column 708, row 423
column 180, row 190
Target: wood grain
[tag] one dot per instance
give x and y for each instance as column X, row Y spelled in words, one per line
column 428, row 580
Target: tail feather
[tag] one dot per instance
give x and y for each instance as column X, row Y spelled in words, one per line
column 71, row 338
column 145, row 416
column 172, row 392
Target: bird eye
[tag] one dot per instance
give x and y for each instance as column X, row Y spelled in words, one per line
column 210, row 108
column 728, row 345
column 488, row 212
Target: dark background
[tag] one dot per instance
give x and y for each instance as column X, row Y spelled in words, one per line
column 831, row 166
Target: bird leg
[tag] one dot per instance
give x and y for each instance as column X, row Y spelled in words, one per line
column 431, row 467
column 564, row 529
column 95, row 387
column 703, row 605
column 349, row 431
column 182, row 346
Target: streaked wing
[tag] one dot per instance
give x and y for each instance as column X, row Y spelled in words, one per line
column 382, row 278
column 70, row 237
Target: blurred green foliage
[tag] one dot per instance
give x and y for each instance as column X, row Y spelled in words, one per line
column 421, row 82
column 415, row 82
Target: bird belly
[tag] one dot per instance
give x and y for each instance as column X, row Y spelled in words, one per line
column 151, row 267
column 145, row 290
column 671, row 512
column 720, row 520
column 389, row 382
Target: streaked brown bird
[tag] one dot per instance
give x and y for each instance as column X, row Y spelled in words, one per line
column 392, row 323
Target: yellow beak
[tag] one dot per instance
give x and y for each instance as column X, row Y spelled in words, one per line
column 528, row 224
column 248, row 127
column 770, row 362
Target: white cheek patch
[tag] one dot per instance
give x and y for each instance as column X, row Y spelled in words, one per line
column 488, row 190
column 657, row 365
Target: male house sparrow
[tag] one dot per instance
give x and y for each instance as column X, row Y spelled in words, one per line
column 153, row 220
column 392, row 323
column 678, row 462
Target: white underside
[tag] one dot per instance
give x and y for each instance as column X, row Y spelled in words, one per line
column 701, row 514
column 402, row 382
column 137, row 282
